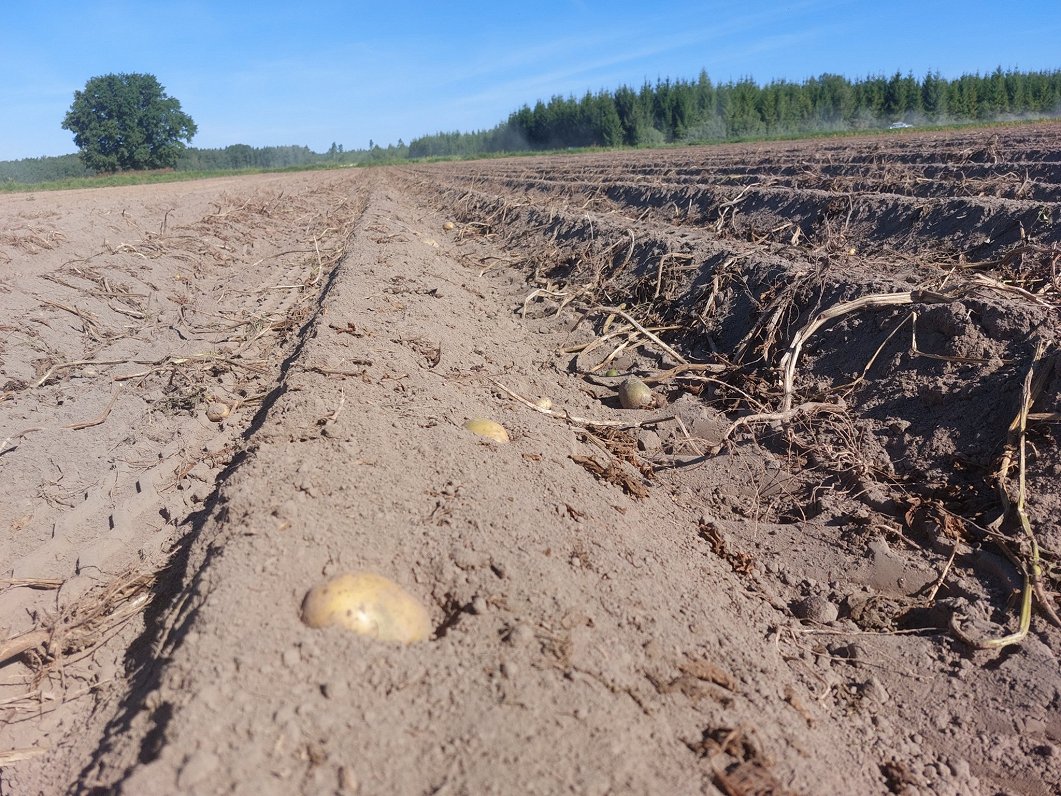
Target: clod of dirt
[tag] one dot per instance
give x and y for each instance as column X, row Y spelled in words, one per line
column 815, row 609
column 368, row 604
column 648, row 441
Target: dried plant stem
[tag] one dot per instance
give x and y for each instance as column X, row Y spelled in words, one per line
column 87, row 623
column 76, row 364
column 788, row 362
column 808, row 408
column 633, row 322
column 99, row 420
column 861, row 376
column 24, row 642
column 17, row 437
column 30, row 583
column 596, row 342
column 1030, row 566
column 943, row 575
column 688, row 367
column 540, row 291
column 18, row 755
column 659, row 269
column 631, row 340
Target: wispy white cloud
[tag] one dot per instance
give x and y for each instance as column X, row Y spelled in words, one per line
column 586, row 68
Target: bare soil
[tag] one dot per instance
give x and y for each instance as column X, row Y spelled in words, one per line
column 805, row 569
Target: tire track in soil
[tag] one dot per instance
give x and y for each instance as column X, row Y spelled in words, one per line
column 146, row 469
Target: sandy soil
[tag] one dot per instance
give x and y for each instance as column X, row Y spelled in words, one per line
column 784, row 576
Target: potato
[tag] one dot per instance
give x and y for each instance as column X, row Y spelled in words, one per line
column 634, row 394
column 544, row 403
column 368, row 604
column 218, row 411
column 449, row 225
column 487, row 428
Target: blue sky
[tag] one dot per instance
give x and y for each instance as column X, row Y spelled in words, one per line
column 313, row 73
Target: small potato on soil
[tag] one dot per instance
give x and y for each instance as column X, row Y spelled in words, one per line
column 487, row 428
column 635, row 394
column 368, row 604
column 218, row 411
column 448, row 226
column 543, row 403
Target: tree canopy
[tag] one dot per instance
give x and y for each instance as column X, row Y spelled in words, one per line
column 124, row 122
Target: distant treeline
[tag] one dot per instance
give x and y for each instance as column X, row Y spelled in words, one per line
column 701, row 111
column 47, row 169
column 669, row 111
column 230, row 158
column 242, row 156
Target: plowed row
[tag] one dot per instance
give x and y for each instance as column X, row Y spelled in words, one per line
column 909, row 287
column 738, row 247
column 824, row 560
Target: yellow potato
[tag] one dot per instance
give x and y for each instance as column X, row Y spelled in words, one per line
column 487, row 428
column 634, row 394
column 368, row 604
column 218, row 411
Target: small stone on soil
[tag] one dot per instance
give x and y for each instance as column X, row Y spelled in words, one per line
column 815, row 609
column 648, row 441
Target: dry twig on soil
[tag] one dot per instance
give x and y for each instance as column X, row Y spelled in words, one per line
column 99, row 420
column 789, row 360
column 18, row 755
column 633, row 322
column 30, row 583
column 613, row 473
column 85, row 625
column 809, row 408
column 17, row 437
column 1030, row 564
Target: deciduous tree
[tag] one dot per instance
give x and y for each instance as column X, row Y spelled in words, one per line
column 126, row 122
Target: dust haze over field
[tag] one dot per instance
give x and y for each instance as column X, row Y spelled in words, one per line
column 790, row 573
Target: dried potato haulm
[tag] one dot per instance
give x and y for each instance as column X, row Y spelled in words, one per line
column 368, row 604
